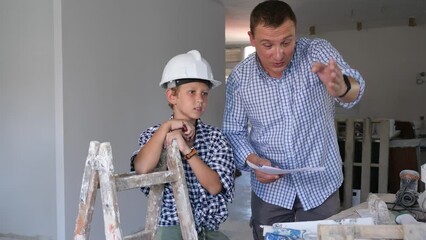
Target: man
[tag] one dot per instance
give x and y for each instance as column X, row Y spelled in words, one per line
column 285, row 94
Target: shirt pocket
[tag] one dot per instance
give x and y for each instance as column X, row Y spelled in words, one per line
column 310, row 93
column 264, row 104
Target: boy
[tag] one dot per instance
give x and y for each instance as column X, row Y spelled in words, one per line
column 207, row 156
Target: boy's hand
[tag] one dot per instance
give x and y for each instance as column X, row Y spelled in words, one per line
column 178, row 136
column 186, row 128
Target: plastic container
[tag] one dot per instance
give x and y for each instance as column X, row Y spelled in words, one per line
column 405, row 218
column 409, row 180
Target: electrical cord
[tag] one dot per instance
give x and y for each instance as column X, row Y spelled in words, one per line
column 409, row 198
column 405, row 200
column 399, row 197
column 417, row 212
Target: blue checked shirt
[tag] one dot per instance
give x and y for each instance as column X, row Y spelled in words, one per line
column 292, row 124
column 209, row 211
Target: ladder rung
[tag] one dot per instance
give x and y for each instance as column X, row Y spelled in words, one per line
column 132, row 180
column 144, row 234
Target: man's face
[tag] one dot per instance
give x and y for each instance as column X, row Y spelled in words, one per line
column 274, row 46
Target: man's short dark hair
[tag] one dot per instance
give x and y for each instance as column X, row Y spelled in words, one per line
column 271, row 13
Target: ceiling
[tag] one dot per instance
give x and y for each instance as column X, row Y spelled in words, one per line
column 328, row 15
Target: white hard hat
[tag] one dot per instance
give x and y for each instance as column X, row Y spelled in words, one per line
column 186, row 67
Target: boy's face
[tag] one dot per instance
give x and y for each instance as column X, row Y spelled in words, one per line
column 189, row 101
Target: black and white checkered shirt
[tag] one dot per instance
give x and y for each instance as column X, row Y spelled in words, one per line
column 209, row 211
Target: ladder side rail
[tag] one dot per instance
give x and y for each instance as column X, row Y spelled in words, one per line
column 180, row 192
column 155, row 198
column 108, row 191
column 89, row 187
column 154, row 203
column 153, row 211
column 155, row 181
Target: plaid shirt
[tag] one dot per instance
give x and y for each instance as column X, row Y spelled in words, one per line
column 209, row 211
column 292, row 124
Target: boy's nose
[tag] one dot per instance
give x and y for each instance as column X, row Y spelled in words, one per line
column 199, row 98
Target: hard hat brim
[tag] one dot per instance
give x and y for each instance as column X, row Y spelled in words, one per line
column 175, row 83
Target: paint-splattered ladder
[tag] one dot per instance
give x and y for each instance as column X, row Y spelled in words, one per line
column 99, row 172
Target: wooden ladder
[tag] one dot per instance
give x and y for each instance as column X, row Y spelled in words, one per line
column 99, row 173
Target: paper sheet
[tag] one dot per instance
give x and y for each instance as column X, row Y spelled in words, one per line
column 274, row 170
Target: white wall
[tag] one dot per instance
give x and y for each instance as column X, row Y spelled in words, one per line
column 27, row 123
column 389, row 60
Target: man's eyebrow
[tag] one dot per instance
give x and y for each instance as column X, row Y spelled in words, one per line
column 290, row 37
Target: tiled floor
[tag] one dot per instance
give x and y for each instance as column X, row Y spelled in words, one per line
column 237, row 226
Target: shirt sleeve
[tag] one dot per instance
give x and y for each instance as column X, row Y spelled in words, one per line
column 221, row 160
column 322, row 51
column 235, row 122
column 143, row 139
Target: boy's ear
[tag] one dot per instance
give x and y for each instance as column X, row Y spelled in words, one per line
column 171, row 96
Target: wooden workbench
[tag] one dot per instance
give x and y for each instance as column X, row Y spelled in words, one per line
column 352, row 231
column 352, row 212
